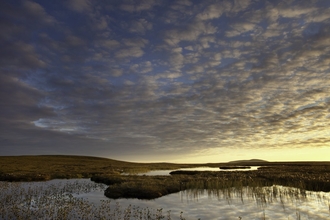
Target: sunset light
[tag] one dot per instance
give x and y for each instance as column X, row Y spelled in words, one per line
column 174, row 81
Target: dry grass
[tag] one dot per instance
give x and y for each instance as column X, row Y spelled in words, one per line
column 58, row 201
column 314, row 178
column 304, row 175
column 45, row 167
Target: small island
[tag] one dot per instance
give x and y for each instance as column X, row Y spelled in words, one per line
column 234, row 167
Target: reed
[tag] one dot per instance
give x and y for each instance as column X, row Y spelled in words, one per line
column 60, row 201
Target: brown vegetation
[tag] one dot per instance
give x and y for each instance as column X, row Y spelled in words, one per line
column 309, row 177
column 234, row 167
column 313, row 176
column 46, row 167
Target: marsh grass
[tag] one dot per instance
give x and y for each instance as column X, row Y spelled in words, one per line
column 264, row 197
column 60, row 201
column 47, row 167
column 151, row 187
column 141, row 187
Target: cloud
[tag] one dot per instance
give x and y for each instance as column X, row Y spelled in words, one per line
column 80, row 5
column 102, row 23
column 129, row 52
column 164, row 76
column 21, row 54
column 169, row 75
column 19, row 108
column 36, row 12
column 109, row 44
column 214, row 10
column 117, row 72
column 219, row 8
column 135, row 42
column 140, row 26
column 74, row 41
column 176, row 58
column 181, row 5
column 292, row 12
column 190, row 32
column 145, row 67
column 133, row 48
column 133, row 6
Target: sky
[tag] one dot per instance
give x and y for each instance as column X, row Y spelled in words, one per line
column 166, row 80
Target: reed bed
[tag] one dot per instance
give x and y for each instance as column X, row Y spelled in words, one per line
column 60, row 200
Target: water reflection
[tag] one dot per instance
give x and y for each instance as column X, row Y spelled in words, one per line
column 275, row 202
column 289, row 204
column 167, row 172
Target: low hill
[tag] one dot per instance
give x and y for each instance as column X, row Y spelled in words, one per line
column 249, row 161
column 45, row 167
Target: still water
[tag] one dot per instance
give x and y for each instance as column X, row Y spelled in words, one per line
column 81, row 198
column 167, row 172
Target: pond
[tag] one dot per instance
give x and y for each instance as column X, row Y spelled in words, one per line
column 167, row 172
column 83, row 199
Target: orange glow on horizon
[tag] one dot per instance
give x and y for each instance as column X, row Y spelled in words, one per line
column 273, row 155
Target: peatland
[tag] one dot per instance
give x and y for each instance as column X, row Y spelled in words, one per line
column 314, row 176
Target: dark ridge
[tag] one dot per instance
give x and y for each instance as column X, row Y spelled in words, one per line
column 234, row 167
column 249, row 161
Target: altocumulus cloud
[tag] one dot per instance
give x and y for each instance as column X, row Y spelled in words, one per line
column 124, row 78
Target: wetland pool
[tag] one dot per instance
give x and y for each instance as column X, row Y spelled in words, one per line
column 167, row 172
column 84, row 199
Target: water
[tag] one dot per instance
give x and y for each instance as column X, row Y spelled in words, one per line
column 167, row 172
column 76, row 199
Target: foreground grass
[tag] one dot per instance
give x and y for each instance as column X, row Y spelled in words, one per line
column 60, row 200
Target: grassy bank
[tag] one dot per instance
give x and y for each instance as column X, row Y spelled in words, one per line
column 46, row 167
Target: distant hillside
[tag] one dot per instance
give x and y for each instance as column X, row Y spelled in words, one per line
column 45, row 167
column 249, row 161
